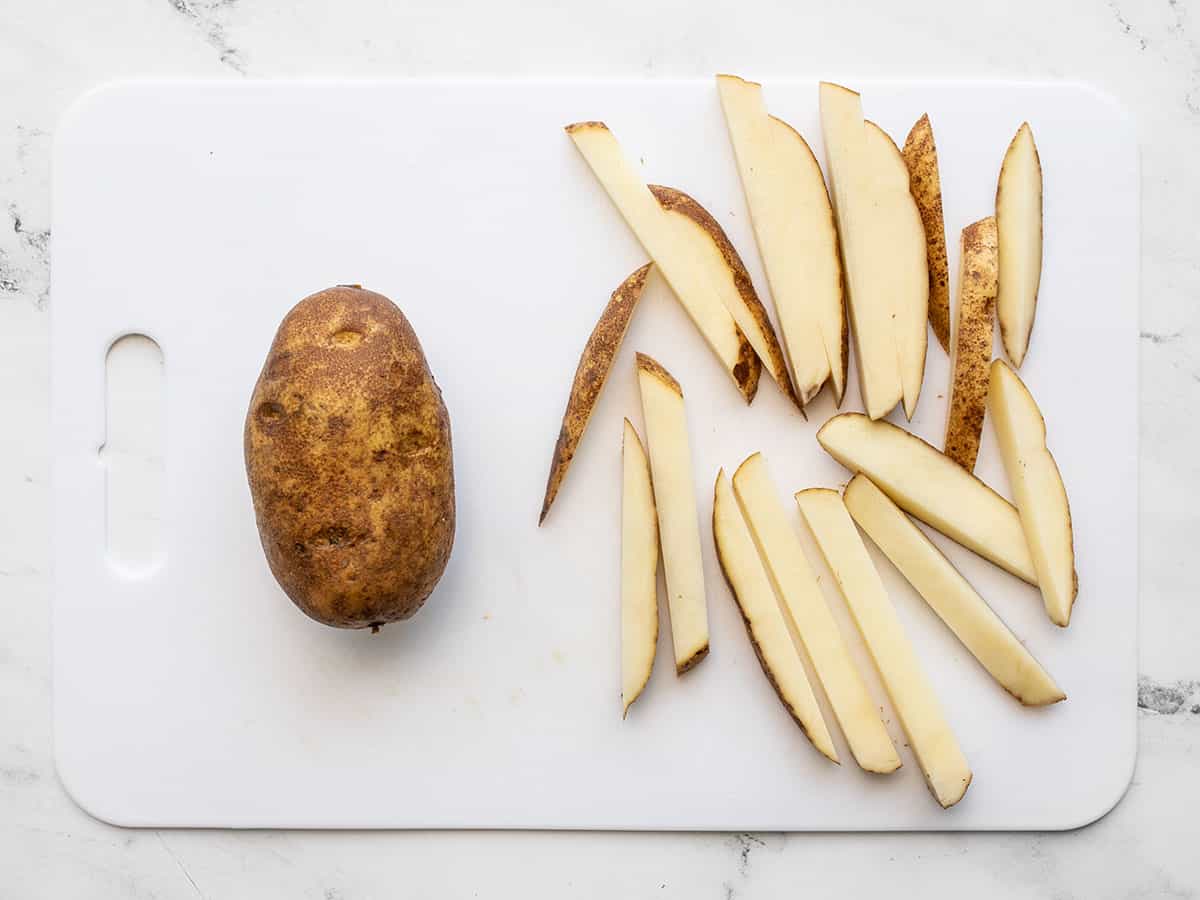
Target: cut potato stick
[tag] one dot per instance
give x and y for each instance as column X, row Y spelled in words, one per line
column 796, row 235
column 779, row 546
column 949, row 595
column 1019, row 224
column 972, row 348
column 674, row 255
column 727, row 273
column 929, row 485
column 900, row 242
column 675, row 499
column 1038, row 488
column 921, row 716
column 590, row 376
column 920, row 155
column 765, row 625
column 639, row 570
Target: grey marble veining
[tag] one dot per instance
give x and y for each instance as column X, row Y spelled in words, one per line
column 1147, row 54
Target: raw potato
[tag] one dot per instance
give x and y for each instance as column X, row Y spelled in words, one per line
column 1019, row 222
column 727, row 273
column 672, row 250
column 883, row 251
column 763, row 618
column 929, row 734
column 972, row 349
column 594, row 365
column 796, row 234
column 929, row 485
column 783, row 557
column 920, row 155
column 347, row 445
column 1038, row 488
column 678, row 519
column 950, row 595
column 639, row 570
column 903, row 234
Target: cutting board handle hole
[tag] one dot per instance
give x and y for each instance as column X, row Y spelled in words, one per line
column 133, row 455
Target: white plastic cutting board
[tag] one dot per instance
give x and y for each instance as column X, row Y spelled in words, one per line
column 198, row 213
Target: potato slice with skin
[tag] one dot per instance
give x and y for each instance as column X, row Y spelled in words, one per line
column 949, row 595
column 727, row 273
column 929, row 485
column 865, row 271
column 920, row 155
column 929, row 734
column 674, row 256
column 883, row 253
column 972, row 348
column 783, row 556
column 678, row 519
column 902, row 233
column 639, row 569
column 1038, row 488
column 1019, row 223
column 594, row 365
column 765, row 625
column 796, row 235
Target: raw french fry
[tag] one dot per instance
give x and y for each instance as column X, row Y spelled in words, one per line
column 920, row 155
column 763, row 618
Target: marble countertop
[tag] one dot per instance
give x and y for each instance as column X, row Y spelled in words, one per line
column 1145, row 54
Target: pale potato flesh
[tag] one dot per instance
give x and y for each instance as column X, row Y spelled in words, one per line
column 971, row 351
column 674, row 255
column 763, row 618
column 899, row 247
column 932, row 487
column 925, row 183
column 929, row 733
column 1019, row 222
column 723, row 268
column 678, row 519
column 1038, row 488
column 865, row 260
column 779, row 546
column 796, row 235
column 639, row 569
column 950, row 595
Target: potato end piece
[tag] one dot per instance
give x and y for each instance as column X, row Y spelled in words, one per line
column 676, row 201
column 590, row 376
column 971, row 350
column 920, row 155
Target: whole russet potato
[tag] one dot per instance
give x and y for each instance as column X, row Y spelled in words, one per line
column 347, row 445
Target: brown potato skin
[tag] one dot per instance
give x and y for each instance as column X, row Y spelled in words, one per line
column 590, row 376
column 972, row 350
column 920, row 155
column 348, row 455
column 678, row 202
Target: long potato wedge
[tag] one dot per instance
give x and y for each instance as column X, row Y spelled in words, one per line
column 971, row 350
column 920, row 155
column 765, row 624
column 674, row 252
column 594, row 365
column 733, row 283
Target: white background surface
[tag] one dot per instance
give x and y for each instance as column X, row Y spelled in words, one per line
column 1145, row 54
column 256, row 716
